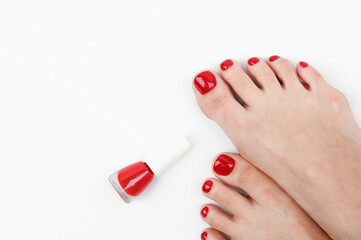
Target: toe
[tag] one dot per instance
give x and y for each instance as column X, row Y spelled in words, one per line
column 310, row 76
column 263, row 74
column 212, row 234
column 217, row 218
column 284, row 72
column 228, row 198
column 239, row 80
column 214, row 97
column 232, row 169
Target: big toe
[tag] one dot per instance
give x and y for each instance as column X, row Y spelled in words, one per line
column 237, row 172
column 216, row 99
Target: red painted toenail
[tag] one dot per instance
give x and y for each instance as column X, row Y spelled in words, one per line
column 223, row 165
column 303, row 64
column 273, row 58
column 204, row 235
column 253, row 61
column 226, row 64
column 204, row 211
column 205, row 82
column 207, row 186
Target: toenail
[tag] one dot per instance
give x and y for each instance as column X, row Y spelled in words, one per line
column 204, row 211
column 226, row 64
column 273, row 58
column 207, row 186
column 223, row 165
column 253, row 61
column 204, row 235
column 205, row 82
column 303, row 64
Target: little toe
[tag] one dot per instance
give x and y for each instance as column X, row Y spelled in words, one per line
column 310, row 76
column 284, row 72
column 263, row 74
column 239, row 80
column 227, row 197
column 232, row 169
column 212, row 234
column 215, row 98
column 217, row 218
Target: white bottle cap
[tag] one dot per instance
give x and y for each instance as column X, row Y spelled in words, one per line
column 167, row 155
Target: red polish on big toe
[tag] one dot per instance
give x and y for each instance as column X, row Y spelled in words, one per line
column 303, row 64
column 253, row 61
column 223, row 165
column 204, row 235
column 273, row 58
column 226, row 64
column 205, row 82
column 132, row 180
column 204, row 211
column 207, row 186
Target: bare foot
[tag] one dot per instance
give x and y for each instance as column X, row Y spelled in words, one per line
column 267, row 213
column 301, row 133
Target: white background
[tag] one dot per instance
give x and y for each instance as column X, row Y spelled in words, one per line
column 87, row 87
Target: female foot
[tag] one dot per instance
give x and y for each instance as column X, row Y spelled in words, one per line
column 301, row 133
column 267, row 213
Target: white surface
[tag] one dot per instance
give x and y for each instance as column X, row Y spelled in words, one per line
column 87, row 87
column 164, row 157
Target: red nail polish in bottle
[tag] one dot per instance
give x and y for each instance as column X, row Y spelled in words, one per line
column 132, row 180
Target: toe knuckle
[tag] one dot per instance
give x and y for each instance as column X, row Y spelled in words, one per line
column 338, row 96
column 337, row 99
column 214, row 105
column 211, row 219
column 283, row 62
column 245, row 171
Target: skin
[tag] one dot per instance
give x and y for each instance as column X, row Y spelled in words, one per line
column 267, row 213
column 298, row 130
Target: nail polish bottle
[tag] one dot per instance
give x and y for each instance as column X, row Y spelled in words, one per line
column 132, row 180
